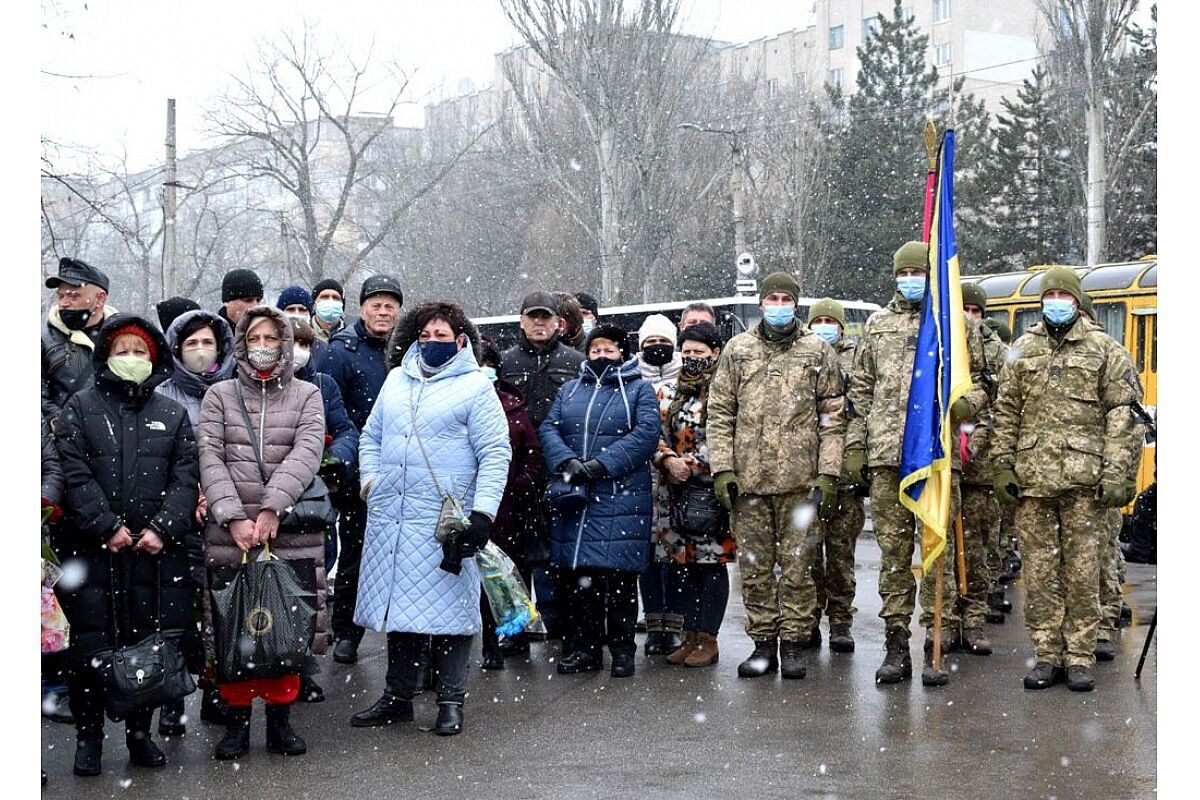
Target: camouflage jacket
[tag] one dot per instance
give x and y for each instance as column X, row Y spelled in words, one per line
column 1062, row 416
column 880, row 378
column 978, row 469
column 775, row 412
column 845, row 347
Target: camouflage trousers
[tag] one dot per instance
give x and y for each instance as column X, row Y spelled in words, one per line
column 1112, row 563
column 981, row 549
column 778, row 529
column 1008, row 531
column 898, row 531
column 1061, row 542
column 833, row 562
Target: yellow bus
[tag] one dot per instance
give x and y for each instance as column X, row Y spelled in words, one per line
column 1125, row 296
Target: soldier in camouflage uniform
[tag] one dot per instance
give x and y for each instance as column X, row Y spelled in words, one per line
column 980, row 510
column 833, row 563
column 879, row 386
column 775, row 431
column 1062, row 445
column 1010, row 560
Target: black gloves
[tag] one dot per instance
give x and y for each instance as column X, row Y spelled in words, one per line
column 576, row 471
column 460, row 546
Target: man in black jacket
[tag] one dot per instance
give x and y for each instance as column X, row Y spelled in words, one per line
column 69, row 336
column 539, row 365
column 241, row 289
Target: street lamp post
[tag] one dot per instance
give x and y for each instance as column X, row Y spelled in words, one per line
column 736, row 188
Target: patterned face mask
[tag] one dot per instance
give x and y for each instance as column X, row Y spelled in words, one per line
column 262, row 357
column 698, row 366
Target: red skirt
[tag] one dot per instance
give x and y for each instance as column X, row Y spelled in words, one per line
column 276, row 691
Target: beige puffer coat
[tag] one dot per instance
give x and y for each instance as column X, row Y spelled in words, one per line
column 289, row 417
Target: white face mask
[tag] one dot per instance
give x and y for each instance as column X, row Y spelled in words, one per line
column 300, row 356
column 199, row 359
column 297, row 315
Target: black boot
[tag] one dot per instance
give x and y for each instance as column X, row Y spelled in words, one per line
column 310, row 691
column 1043, row 676
column 1079, row 678
column 763, row 660
column 493, row 656
column 656, row 644
column 280, row 736
column 387, row 710
column 170, row 719
column 622, row 665
column 515, row 645
column 579, row 661
column 931, row 675
column 897, row 663
column 1105, row 649
column 142, row 750
column 236, row 741
column 840, row 640
column 87, row 757
column 212, row 708
column 345, row 650
column 791, row 659
column 449, row 719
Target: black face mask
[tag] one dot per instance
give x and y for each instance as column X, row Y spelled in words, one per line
column 599, row 365
column 75, row 319
column 658, row 355
column 698, row 366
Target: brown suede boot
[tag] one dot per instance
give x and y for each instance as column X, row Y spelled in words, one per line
column 689, row 644
column 705, row 654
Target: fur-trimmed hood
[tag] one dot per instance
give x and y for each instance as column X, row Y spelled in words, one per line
column 405, row 333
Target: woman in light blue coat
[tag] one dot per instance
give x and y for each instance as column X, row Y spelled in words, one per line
column 437, row 429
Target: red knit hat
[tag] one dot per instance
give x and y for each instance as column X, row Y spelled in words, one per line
column 136, row 330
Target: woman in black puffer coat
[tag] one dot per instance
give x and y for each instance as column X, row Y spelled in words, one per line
column 130, row 465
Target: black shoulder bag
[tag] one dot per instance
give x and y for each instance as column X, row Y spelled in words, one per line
column 150, row 673
column 313, row 512
column 696, row 511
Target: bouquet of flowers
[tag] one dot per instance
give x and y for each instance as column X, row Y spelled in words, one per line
column 56, row 631
column 507, row 594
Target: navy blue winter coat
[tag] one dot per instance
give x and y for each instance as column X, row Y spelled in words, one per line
column 615, row 420
column 356, row 361
column 344, row 446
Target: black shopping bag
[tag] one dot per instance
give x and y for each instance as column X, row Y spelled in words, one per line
column 264, row 618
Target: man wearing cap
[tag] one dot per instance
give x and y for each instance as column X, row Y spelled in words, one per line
column 1064, row 437
column 241, row 289
column 69, row 337
column 984, row 600
column 776, row 421
column 879, row 384
column 296, row 302
column 328, row 308
column 538, row 365
column 356, row 362
column 590, row 310
column 833, row 562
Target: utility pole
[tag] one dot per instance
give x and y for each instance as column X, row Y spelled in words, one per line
column 169, row 187
column 743, row 258
column 735, row 189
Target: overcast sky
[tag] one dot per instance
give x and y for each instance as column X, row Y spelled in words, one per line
column 140, row 52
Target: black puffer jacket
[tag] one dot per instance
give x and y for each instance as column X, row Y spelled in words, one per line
column 66, row 362
column 52, row 476
column 128, row 457
column 539, row 374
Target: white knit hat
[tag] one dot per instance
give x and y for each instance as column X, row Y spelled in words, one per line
column 657, row 325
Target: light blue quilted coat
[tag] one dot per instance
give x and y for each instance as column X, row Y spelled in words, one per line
column 465, row 432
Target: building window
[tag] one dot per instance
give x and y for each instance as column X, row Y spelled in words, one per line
column 909, row 14
column 941, row 10
column 941, row 55
column 837, row 37
column 835, row 78
column 870, row 26
column 772, row 87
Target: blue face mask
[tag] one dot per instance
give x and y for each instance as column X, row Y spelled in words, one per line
column 826, row 330
column 779, row 316
column 328, row 311
column 1058, row 312
column 489, row 373
column 434, row 354
column 911, row 288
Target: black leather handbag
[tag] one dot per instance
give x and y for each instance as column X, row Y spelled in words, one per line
column 313, row 511
column 150, row 673
column 696, row 511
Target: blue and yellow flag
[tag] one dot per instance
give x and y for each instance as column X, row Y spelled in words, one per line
column 941, row 374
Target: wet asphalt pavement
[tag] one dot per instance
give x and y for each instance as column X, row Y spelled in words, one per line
column 677, row 732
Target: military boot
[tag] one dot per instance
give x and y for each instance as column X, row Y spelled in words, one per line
column 975, row 642
column 897, row 664
column 1105, row 649
column 931, row 675
column 763, row 660
column 1079, row 678
column 791, row 659
column 1043, row 676
column 840, row 640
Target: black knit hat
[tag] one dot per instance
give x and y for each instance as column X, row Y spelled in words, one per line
column 380, row 284
column 171, row 308
column 239, row 283
column 328, row 283
column 614, row 333
column 703, row 332
column 589, row 302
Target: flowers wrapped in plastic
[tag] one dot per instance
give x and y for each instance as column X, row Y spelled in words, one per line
column 509, row 598
column 56, row 631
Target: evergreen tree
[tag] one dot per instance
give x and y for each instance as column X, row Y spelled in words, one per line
column 1133, row 172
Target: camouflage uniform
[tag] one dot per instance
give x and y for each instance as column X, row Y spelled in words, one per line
column 980, row 509
column 1112, row 560
column 1063, row 424
column 833, row 564
column 776, row 419
column 878, row 392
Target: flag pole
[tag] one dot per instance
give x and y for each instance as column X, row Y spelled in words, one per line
column 962, row 556
column 931, row 150
column 937, row 611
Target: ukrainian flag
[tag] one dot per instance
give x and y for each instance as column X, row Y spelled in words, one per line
column 941, row 374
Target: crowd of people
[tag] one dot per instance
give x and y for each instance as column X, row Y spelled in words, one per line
column 614, row 472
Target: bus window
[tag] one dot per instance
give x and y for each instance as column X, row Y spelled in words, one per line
column 1141, row 343
column 1112, row 317
column 1115, row 276
column 1026, row 318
